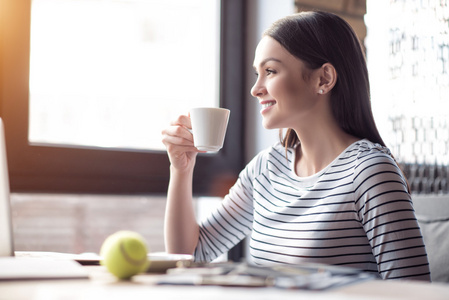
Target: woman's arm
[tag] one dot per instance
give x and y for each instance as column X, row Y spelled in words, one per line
column 386, row 212
column 181, row 227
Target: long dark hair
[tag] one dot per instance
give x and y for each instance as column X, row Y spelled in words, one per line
column 320, row 37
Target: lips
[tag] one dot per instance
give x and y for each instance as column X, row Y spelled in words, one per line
column 266, row 104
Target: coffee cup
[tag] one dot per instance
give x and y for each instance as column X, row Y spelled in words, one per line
column 209, row 126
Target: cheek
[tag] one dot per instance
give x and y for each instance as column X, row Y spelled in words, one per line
column 283, row 88
column 292, row 87
column 293, row 90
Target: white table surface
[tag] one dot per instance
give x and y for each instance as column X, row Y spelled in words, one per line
column 102, row 285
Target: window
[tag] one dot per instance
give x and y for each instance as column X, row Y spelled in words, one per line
column 118, row 77
column 46, row 165
column 408, row 54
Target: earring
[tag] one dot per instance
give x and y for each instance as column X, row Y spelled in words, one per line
column 321, row 91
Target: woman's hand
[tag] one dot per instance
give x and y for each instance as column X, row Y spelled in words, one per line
column 179, row 143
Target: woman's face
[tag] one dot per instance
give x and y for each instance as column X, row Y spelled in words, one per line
column 284, row 87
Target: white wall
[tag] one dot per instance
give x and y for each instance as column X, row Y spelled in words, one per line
column 260, row 15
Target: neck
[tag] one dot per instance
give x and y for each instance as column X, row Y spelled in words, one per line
column 319, row 147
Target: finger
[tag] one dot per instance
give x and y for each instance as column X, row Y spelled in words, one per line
column 177, row 150
column 179, row 132
column 182, row 120
column 175, row 141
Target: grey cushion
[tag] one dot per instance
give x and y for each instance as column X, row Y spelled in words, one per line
column 436, row 238
column 432, row 213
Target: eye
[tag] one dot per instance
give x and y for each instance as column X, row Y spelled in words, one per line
column 267, row 72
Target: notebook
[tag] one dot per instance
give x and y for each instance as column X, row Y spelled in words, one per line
column 26, row 265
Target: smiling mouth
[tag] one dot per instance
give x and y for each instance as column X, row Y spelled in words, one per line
column 268, row 104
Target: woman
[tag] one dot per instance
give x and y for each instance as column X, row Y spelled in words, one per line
column 330, row 192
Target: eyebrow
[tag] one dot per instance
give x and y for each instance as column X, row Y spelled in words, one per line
column 263, row 62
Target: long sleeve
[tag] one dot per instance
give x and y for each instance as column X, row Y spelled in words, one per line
column 386, row 212
column 232, row 221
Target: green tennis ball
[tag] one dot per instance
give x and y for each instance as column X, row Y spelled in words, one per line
column 124, row 254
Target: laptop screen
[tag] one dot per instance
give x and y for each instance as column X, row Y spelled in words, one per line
column 6, row 239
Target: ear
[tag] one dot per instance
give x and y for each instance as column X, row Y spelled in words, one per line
column 327, row 78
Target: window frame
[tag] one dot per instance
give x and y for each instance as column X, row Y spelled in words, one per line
column 56, row 169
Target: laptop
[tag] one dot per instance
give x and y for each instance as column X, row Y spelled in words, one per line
column 26, row 265
column 6, row 237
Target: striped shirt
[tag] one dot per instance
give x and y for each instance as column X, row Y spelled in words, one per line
column 355, row 213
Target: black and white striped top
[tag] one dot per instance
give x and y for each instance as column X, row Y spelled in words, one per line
column 356, row 213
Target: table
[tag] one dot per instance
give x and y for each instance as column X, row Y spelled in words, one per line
column 102, row 285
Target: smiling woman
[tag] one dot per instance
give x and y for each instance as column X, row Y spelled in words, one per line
column 83, row 101
column 333, row 195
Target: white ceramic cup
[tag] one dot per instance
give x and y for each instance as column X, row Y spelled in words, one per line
column 209, row 126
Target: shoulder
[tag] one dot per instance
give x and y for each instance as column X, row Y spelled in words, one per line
column 365, row 154
column 363, row 149
column 374, row 166
column 363, row 157
column 374, row 155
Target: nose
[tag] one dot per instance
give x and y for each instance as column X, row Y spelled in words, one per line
column 258, row 89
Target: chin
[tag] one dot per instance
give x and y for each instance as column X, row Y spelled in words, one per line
column 267, row 125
